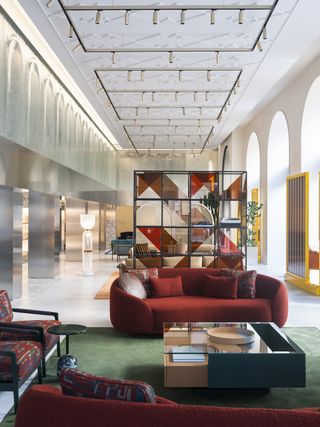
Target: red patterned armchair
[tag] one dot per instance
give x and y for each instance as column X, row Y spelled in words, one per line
column 19, row 359
column 48, row 341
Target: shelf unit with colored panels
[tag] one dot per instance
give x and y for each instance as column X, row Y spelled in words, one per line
column 190, row 219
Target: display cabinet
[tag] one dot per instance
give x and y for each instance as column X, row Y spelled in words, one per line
column 190, row 219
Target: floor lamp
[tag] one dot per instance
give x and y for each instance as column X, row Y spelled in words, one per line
column 87, row 222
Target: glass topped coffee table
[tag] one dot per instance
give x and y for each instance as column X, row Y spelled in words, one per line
column 192, row 358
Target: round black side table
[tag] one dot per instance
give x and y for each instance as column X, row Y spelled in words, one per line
column 67, row 360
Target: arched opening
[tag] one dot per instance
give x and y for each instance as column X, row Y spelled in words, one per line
column 49, row 118
column 278, row 170
column 310, row 157
column 15, row 96
column 35, row 109
column 253, row 165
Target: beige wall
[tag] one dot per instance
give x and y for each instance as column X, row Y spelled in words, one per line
column 290, row 101
column 124, row 219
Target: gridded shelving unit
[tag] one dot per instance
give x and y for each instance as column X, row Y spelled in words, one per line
column 190, row 219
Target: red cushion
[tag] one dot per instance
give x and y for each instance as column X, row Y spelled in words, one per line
column 246, row 281
column 6, row 314
column 192, row 278
column 28, row 357
column 166, row 287
column 220, row 287
column 204, row 309
column 77, row 383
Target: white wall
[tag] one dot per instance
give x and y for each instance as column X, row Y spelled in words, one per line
column 291, row 101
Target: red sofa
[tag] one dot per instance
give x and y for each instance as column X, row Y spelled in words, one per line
column 133, row 315
column 46, row 406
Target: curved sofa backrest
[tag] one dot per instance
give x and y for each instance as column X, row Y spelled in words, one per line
column 192, row 278
column 84, row 412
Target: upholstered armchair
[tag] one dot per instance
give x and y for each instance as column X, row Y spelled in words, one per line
column 48, row 341
column 19, row 359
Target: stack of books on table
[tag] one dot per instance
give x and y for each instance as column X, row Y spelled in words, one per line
column 188, row 353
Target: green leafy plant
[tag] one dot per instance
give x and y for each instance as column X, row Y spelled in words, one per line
column 254, row 211
column 212, row 202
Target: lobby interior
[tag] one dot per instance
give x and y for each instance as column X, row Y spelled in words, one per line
column 92, row 92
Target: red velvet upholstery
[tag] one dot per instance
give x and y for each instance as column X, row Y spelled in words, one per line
column 47, row 403
column 207, row 309
column 220, row 287
column 130, row 314
column 166, row 287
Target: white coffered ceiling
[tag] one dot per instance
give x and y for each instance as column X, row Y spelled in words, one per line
column 164, row 84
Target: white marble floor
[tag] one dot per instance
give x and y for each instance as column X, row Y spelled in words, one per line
column 72, row 295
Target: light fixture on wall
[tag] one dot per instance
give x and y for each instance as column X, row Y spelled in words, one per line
column 264, row 33
column 87, row 222
column 183, row 17
column 241, row 15
column 50, row 3
column 155, row 17
column 77, row 47
column 98, row 17
column 126, row 18
column 212, row 17
column 259, row 46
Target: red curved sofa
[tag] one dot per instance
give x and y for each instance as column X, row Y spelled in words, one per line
column 47, row 406
column 133, row 315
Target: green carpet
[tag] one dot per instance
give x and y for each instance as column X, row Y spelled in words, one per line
column 107, row 352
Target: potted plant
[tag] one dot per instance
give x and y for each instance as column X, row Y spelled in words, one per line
column 254, row 211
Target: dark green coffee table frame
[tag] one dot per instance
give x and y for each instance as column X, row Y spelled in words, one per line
column 285, row 367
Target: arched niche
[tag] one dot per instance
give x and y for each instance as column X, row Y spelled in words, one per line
column 278, row 170
column 35, row 107
column 15, row 93
column 49, row 132
column 61, row 122
column 253, row 164
column 310, row 157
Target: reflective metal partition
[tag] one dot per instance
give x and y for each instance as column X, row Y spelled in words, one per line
column 41, row 234
column 74, row 207
column 94, row 208
column 11, row 241
column 102, row 231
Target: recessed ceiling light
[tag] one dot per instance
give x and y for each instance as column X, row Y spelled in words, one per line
column 98, row 17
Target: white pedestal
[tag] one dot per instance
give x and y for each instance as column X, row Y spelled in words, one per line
column 87, row 260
